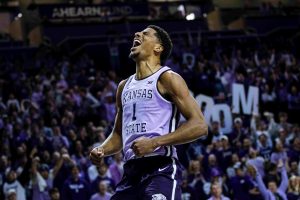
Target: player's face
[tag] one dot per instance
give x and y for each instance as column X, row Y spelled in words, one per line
column 144, row 44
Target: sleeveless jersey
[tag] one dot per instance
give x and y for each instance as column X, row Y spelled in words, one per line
column 146, row 114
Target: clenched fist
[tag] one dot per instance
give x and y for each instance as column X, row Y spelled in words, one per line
column 96, row 155
column 143, row 146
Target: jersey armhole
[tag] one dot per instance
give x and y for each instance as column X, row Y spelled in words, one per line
column 127, row 81
column 158, row 92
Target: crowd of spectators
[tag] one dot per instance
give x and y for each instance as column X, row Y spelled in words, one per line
column 54, row 112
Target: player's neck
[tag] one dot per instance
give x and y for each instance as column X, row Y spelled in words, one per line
column 146, row 67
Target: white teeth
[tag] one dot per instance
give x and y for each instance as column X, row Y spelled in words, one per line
column 136, row 43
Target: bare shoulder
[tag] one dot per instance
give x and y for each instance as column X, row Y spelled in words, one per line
column 121, row 86
column 168, row 75
column 119, row 91
column 171, row 83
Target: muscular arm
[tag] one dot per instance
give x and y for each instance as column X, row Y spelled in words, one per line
column 113, row 144
column 172, row 85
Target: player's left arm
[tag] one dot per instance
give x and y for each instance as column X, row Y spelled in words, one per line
column 172, row 85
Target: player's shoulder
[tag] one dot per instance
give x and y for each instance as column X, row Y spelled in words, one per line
column 170, row 77
column 121, row 86
column 171, row 83
column 122, row 83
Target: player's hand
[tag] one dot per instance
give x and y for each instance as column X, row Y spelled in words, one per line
column 143, row 146
column 96, row 155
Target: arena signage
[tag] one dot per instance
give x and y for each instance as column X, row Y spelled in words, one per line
column 241, row 104
column 107, row 11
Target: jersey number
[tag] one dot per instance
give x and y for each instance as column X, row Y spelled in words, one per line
column 133, row 116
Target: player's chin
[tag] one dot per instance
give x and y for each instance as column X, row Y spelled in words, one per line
column 133, row 54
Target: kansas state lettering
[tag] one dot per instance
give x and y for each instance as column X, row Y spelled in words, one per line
column 137, row 94
column 145, row 113
column 136, row 128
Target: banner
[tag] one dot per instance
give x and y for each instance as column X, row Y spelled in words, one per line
column 101, row 12
column 242, row 103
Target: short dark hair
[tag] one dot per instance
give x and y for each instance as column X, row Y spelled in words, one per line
column 165, row 40
column 53, row 190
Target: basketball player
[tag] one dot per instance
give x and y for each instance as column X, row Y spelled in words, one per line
column 148, row 107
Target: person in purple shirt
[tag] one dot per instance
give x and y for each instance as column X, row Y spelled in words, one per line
column 264, row 144
column 294, row 151
column 116, row 168
column 102, row 194
column 102, row 176
column 240, row 184
column 279, row 154
column 272, row 192
column 75, row 188
column 293, row 192
column 226, row 152
column 211, row 167
column 238, row 133
column 42, row 177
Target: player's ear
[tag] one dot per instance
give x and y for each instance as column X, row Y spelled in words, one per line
column 158, row 48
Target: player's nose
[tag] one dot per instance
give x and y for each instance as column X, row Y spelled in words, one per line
column 137, row 35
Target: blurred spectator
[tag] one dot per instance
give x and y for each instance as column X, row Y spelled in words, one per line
column 11, row 194
column 103, row 175
column 12, row 185
column 79, row 157
column 54, row 194
column 238, row 133
column 43, row 176
column 75, row 187
column 188, row 192
column 59, row 141
column 226, row 152
column 273, row 191
column 215, row 132
column 241, row 184
column 230, row 170
column 216, row 192
column 102, row 194
column 264, row 144
column 294, row 150
column 116, row 168
column 293, row 192
column 279, row 153
column 195, row 180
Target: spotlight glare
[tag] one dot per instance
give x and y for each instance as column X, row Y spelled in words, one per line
column 190, row 16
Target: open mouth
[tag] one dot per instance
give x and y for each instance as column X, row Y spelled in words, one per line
column 136, row 43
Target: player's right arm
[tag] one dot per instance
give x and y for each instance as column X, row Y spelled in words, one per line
column 113, row 144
